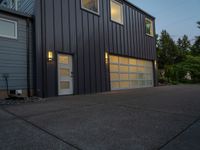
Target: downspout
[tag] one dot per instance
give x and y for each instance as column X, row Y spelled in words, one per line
column 28, row 57
column 6, row 76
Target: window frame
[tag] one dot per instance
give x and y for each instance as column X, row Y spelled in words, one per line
column 16, row 30
column 91, row 11
column 151, row 28
column 122, row 12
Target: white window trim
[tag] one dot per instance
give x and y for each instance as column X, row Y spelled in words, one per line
column 94, row 12
column 6, row 36
column 122, row 12
column 152, row 35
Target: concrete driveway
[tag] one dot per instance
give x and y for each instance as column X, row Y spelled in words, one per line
column 166, row 118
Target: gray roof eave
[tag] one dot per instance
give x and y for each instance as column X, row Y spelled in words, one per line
column 141, row 10
column 16, row 13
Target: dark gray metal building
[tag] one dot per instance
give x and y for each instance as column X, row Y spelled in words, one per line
column 90, row 46
column 97, row 46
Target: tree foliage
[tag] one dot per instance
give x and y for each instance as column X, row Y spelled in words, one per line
column 180, row 60
column 195, row 50
column 184, row 48
column 198, row 23
column 196, row 46
column 183, row 44
column 190, row 67
column 166, row 50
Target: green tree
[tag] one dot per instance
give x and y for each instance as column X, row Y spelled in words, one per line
column 198, row 23
column 184, row 47
column 195, row 51
column 183, row 44
column 196, row 46
column 166, row 50
column 190, row 66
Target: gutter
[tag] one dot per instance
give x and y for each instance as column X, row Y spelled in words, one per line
column 139, row 9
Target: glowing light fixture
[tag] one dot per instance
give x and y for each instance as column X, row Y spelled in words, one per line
column 50, row 55
column 155, row 62
column 106, row 57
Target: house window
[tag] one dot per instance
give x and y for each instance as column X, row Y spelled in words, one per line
column 116, row 11
column 91, row 5
column 149, row 27
column 8, row 28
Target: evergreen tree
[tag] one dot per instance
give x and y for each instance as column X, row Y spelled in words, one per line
column 184, row 44
column 198, row 23
column 196, row 46
column 184, row 47
column 166, row 50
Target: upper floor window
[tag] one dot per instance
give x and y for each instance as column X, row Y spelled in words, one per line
column 149, row 27
column 116, row 11
column 8, row 28
column 91, row 5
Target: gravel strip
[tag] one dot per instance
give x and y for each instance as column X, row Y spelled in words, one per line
column 21, row 101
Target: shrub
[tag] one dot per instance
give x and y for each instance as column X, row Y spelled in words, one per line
column 189, row 67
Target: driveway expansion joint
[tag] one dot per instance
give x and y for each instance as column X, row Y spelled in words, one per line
column 154, row 110
column 41, row 129
column 180, row 133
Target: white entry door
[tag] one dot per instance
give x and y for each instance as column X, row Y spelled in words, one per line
column 65, row 78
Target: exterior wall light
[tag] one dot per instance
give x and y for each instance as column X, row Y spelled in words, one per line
column 106, row 57
column 155, row 63
column 50, row 56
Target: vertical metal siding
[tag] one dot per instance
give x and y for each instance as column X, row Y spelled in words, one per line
column 67, row 28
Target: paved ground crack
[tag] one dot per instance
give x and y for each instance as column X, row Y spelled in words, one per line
column 41, row 129
column 154, row 110
column 180, row 133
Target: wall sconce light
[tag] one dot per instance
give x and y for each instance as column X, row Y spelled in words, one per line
column 50, row 56
column 155, row 63
column 106, row 57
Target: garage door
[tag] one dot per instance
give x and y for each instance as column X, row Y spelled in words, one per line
column 129, row 73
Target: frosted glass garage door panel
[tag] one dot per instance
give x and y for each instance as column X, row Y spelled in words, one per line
column 129, row 73
column 114, row 68
column 114, row 76
column 123, row 61
column 124, row 77
column 132, row 61
column 114, row 59
column 123, row 69
column 115, row 85
column 133, row 76
column 124, row 85
column 133, row 69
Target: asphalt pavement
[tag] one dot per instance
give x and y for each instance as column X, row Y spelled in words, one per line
column 161, row 118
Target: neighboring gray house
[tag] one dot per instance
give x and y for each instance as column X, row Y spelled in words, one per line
column 16, row 47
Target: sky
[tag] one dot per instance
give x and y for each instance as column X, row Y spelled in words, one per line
column 178, row 17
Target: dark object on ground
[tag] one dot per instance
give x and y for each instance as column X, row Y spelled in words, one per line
column 15, row 100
